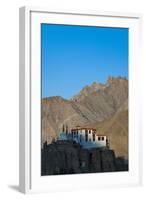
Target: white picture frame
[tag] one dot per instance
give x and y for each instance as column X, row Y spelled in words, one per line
column 30, row 87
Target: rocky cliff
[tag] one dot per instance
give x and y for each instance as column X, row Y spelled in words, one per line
column 69, row 158
column 94, row 104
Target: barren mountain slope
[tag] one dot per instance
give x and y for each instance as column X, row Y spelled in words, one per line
column 93, row 104
column 116, row 129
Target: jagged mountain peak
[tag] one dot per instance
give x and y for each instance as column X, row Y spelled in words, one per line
column 97, row 87
column 112, row 79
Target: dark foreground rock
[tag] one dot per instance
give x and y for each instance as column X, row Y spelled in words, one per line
column 70, row 158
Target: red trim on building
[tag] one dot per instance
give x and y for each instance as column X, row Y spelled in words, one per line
column 76, row 129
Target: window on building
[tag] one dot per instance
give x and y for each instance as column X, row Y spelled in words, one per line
column 99, row 138
column 102, row 138
column 86, row 136
column 89, row 131
column 93, row 136
column 80, row 138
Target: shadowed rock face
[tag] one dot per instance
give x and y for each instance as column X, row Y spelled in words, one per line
column 70, row 158
column 94, row 104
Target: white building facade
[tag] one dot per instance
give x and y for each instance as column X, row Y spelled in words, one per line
column 86, row 137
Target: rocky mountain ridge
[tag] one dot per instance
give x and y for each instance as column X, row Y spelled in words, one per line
column 94, row 104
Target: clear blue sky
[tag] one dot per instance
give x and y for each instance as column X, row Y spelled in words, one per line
column 76, row 56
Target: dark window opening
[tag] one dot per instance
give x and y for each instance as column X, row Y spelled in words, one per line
column 86, row 136
column 80, row 138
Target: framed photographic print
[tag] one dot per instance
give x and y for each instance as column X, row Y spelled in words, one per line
column 79, row 99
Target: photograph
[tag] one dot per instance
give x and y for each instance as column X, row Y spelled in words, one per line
column 84, row 99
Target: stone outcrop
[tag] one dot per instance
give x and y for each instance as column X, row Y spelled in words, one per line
column 64, row 157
